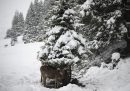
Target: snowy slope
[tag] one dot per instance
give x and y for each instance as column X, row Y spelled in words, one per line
column 19, row 71
column 4, row 42
column 104, row 79
column 18, row 67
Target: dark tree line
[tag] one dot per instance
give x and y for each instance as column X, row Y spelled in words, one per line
column 30, row 27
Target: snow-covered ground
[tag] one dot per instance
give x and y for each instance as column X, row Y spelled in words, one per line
column 103, row 79
column 19, row 71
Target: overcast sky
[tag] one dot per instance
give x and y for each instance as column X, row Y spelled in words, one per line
column 7, row 10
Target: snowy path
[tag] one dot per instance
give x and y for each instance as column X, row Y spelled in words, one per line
column 19, row 71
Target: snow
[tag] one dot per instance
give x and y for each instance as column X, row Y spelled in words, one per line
column 67, row 41
column 93, row 44
column 76, row 59
column 19, row 68
column 115, row 56
column 86, row 7
column 87, row 4
column 103, row 79
column 54, row 30
column 123, row 29
column 73, row 44
column 19, row 71
column 5, row 42
column 53, row 17
column 63, row 39
column 51, row 38
column 81, row 50
column 70, row 11
column 118, row 13
column 111, row 21
column 20, row 40
column 109, row 66
column 82, row 13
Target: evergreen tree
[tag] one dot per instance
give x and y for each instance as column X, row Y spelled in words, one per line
column 103, row 22
column 15, row 19
column 29, row 18
column 34, row 32
column 64, row 45
column 21, row 20
column 34, row 15
column 78, row 31
column 17, row 28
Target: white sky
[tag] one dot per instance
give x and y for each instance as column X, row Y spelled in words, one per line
column 7, row 10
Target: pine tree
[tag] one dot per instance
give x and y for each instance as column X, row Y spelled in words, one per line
column 17, row 28
column 34, row 15
column 34, row 32
column 103, row 22
column 90, row 26
column 29, row 18
column 64, row 45
column 18, row 23
column 21, row 20
column 15, row 19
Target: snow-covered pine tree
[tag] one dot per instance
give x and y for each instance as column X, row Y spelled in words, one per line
column 10, row 33
column 17, row 28
column 98, row 22
column 104, row 23
column 21, row 20
column 29, row 21
column 33, row 19
column 18, row 23
column 64, row 45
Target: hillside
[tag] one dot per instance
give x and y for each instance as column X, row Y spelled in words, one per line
column 19, row 71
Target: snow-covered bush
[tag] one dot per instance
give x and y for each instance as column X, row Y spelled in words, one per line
column 115, row 56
